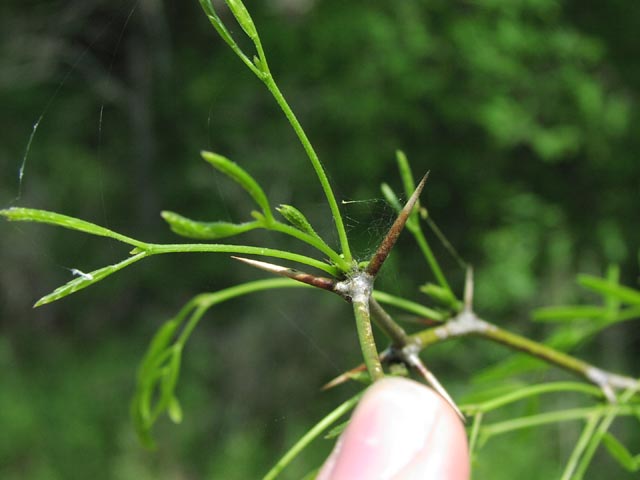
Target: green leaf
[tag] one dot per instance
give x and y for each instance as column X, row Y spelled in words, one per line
column 205, row 230
column 620, row 453
column 259, row 70
column 405, row 173
column 157, row 346
column 170, row 375
column 140, row 423
column 87, row 280
column 609, row 289
column 391, row 197
column 156, row 386
column 240, row 176
column 159, row 369
column 296, row 218
column 207, row 6
column 244, row 19
column 568, row 313
column 483, row 392
column 336, row 431
column 43, row 216
column 174, row 410
column 441, row 295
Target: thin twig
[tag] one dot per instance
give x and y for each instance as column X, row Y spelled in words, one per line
column 395, row 332
column 468, row 324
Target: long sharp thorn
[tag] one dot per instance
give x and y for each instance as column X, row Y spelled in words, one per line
column 436, row 385
column 394, row 232
column 319, row 282
column 344, row 377
column 349, row 374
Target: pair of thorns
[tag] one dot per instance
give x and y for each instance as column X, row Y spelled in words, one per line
column 357, row 289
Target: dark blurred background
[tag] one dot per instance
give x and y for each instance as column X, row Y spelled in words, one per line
column 525, row 112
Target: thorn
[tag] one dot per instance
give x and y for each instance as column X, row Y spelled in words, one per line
column 394, row 232
column 344, row 377
column 435, row 384
column 318, row 282
column 608, row 393
column 353, row 373
column 468, row 290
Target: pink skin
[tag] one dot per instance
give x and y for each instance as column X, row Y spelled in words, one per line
column 401, row 430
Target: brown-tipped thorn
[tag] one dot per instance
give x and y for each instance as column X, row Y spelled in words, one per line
column 318, row 282
column 435, row 384
column 349, row 374
column 344, row 377
column 394, row 232
column 429, row 322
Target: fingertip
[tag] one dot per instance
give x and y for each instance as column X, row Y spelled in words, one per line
column 400, row 429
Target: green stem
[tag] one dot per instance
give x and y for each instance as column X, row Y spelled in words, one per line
column 365, row 336
column 473, row 435
column 516, row 342
column 595, row 440
column 317, row 166
column 207, row 300
column 313, row 241
column 156, row 249
column 583, row 442
column 536, row 349
column 311, row 435
column 391, row 329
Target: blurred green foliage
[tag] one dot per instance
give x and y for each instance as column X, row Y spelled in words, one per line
column 525, row 112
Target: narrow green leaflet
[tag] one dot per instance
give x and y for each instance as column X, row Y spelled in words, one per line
column 405, row 173
column 568, row 313
column 159, row 369
column 336, row 431
column 174, row 410
column 240, row 176
column 610, row 289
column 598, row 315
column 244, row 19
column 217, row 24
column 158, row 375
column 257, row 67
column 87, row 279
column 205, row 230
column 441, row 295
column 158, row 345
column 620, row 453
column 44, row 216
column 522, row 393
column 296, row 218
column 391, row 197
column 408, row 306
